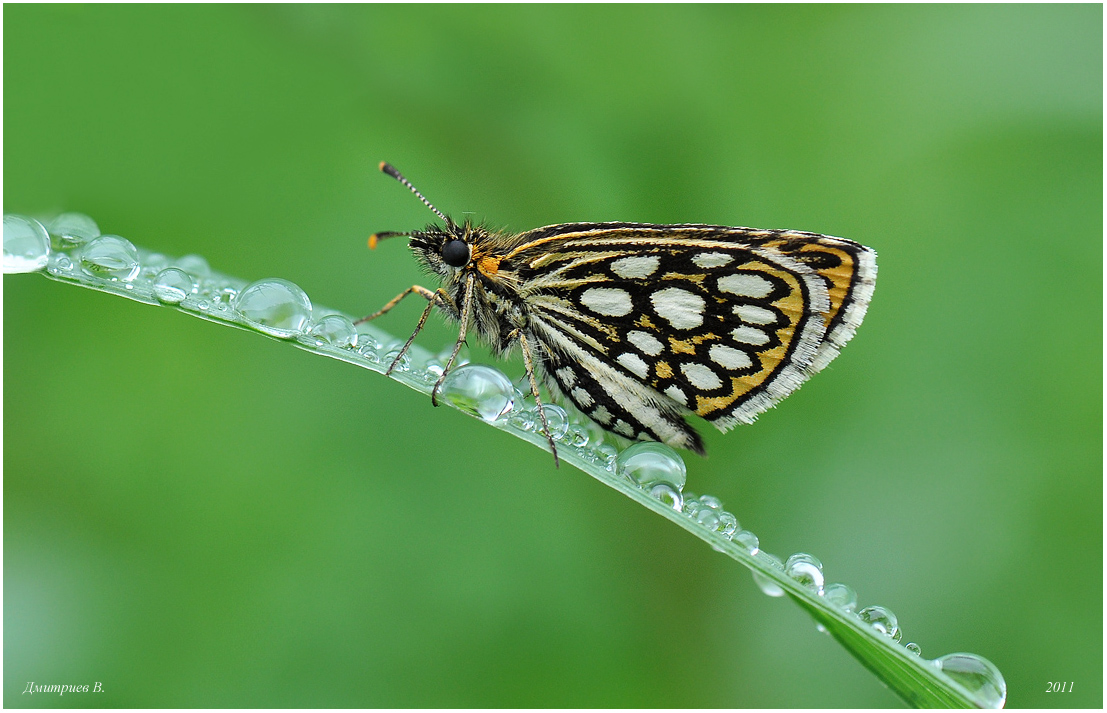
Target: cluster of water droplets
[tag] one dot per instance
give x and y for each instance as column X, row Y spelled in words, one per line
column 71, row 248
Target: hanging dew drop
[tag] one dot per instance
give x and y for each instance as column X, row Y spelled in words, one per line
column 173, row 285
column 274, row 306
column 110, row 257
column 977, row 675
column 26, row 245
column 767, row 585
column 806, row 570
column 72, row 229
column 841, row 596
column 914, row 648
column 478, row 390
column 335, row 330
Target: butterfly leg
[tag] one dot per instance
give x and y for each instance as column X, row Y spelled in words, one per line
column 528, row 361
column 432, row 297
column 466, row 307
column 422, row 291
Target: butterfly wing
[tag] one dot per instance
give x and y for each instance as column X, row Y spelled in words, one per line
column 640, row 324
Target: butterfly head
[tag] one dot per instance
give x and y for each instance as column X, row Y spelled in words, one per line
column 442, row 250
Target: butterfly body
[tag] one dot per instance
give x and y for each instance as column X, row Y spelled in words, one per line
column 639, row 325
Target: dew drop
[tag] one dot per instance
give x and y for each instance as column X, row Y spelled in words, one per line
column 72, row 229
column 522, row 418
column 557, row 419
column 110, row 256
column 60, row 262
column 881, row 619
column 274, row 306
column 710, row 501
column 479, row 390
column 336, row 330
column 172, row 285
column 608, row 455
column 391, row 352
column 26, row 244
column 841, row 596
column 194, row 265
column 807, row 570
column 668, row 495
column 976, row 675
column 767, row 585
column 914, row 648
column 576, row 436
column 650, row 464
column 748, row 541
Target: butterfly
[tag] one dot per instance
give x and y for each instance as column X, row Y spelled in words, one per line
column 640, row 325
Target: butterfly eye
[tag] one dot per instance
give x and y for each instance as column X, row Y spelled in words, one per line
column 455, row 252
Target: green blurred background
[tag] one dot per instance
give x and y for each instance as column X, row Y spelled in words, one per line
column 195, row 516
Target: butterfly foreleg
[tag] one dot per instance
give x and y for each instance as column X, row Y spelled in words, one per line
column 463, row 317
column 440, row 295
column 528, row 361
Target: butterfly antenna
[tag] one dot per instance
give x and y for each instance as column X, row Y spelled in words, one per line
column 391, row 171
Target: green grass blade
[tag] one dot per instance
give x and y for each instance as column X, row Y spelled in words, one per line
column 188, row 285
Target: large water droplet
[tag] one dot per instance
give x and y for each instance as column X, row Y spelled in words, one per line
column 767, row 585
column 841, row 596
column 110, row 256
column 275, row 306
column 71, row 229
column 26, row 244
column 336, row 330
column 479, row 390
column 881, row 619
column 976, row 675
column 807, row 570
column 650, row 464
column 173, row 285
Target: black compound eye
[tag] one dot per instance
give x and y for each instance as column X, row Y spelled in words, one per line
column 455, row 252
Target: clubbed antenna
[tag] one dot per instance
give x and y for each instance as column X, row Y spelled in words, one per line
column 391, row 171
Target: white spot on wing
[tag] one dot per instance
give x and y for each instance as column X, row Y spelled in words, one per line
column 754, row 315
column 749, row 335
column 634, row 364
column 567, row 376
column 729, row 357
column 700, row 376
column 581, row 397
column 709, row 260
column 601, row 415
column 674, row 393
column 636, row 266
column 683, row 309
column 645, row 342
column 607, row 300
column 624, row 428
column 745, row 284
